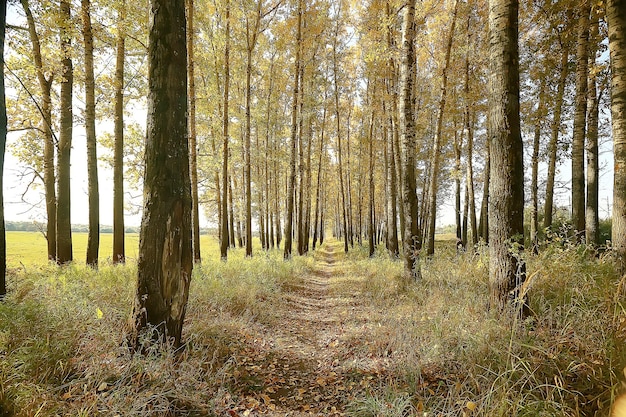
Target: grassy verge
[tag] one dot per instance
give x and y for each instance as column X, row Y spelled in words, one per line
column 456, row 358
column 62, row 330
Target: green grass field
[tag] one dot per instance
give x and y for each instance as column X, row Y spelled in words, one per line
column 29, row 248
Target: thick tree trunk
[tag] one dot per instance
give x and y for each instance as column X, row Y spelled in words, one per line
column 49, row 175
column 407, row 129
column 593, row 168
column 165, row 244
column 580, row 116
column 291, row 184
column 434, row 170
column 64, row 225
column 93, row 239
column 616, row 16
column 119, row 252
column 224, row 242
column 507, row 271
column 392, row 198
column 193, row 154
column 554, row 138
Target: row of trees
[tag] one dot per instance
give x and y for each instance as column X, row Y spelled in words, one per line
column 303, row 114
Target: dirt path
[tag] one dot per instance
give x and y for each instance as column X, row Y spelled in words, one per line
column 312, row 361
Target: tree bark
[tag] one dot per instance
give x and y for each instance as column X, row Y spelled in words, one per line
column 193, row 154
column 593, row 168
column 119, row 252
column 392, row 198
column 554, row 138
column 318, row 196
column 64, row 226
column 407, row 129
column 534, row 186
column 49, row 175
column 371, row 229
column 342, row 188
column 224, row 242
column 616, row 16
column 165, row 244
column 294, row 130
column 580, row 116
column 93, row 239
column 434, row 170
column 483, row 227
column 3, row 141
column 507, row 271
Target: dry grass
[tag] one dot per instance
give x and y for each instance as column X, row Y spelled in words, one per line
column 439, row 350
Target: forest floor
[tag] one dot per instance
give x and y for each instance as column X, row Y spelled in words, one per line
column 327, row 334
column 310, row 360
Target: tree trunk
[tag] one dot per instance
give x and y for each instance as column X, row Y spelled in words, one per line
column 554, row 138
column 64, row 225
column 458, row 143
column 3, row 141
column 165, row 243
column 616, row 16
column 193, row 154
column 483, row 227
column 407, row 129
column 434, row 170
column 318, row 197
column 392, row 198
column 371, row 230
column 580, row 115
column 251, row 38
column 49, row 175
column 593, row 168
column 342, row 188
column 534, row 186
column 507, row 271
column 93, row 239
column 294, row 130
column 119, row 252
column 224, row 242
column 469, row 133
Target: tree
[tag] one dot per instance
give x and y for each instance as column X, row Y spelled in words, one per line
column 616, row 17
column 580, row 119
column 119, row 252
column 434, row 170
column 591, row 148
column 407, row 128
column 45, row 79
column 193, row 158
column 3, row 140
column 224, row 229
column 63, row 226
column 507, row 271
column 291, row 182
column 93, row 239
column 165, row 248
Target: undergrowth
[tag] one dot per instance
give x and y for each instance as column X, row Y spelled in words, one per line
column 457, row 358
column 62, row 332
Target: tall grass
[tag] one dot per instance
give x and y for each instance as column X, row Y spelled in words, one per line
column 62, row 332
column 450, row 350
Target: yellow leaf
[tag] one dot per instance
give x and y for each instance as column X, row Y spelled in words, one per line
column 99, row 313
column 471, row 405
